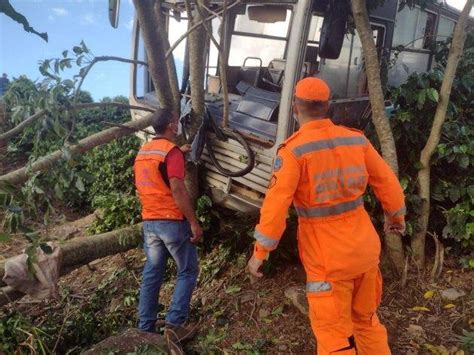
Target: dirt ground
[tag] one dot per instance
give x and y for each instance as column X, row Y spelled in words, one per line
column 236, row 316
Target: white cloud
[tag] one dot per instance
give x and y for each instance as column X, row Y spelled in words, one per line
column 60, row 11
column 87, row 19
column 51, row 18
column 129, row 24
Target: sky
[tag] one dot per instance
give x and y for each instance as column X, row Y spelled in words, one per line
column 67, row 22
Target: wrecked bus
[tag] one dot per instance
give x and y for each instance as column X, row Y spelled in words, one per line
column 270, row 46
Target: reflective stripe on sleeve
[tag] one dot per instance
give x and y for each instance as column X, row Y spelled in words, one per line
column 401, row 212
column 318, row 286
column 151, row 152
column 265, row 241
column 328, row 144
column 329, row 210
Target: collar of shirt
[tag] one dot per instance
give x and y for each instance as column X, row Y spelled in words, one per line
column 318, row 123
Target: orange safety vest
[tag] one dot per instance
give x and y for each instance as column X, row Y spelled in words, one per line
column 324, row 169
column 155, row 195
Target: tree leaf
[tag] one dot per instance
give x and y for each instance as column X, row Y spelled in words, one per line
column 428, row 294
column 233, row 289
column 421, row 98
column 68, row 83
column 448, row 306
column 77, row 50
column 454, row 194
column 432, row 94
column 420, row 309
column 65, row 53
column 464, row 161
column 4, row 237
column 80, row 184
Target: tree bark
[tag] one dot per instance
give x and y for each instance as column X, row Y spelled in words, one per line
column 455, row 52
column 4, row 137
column 156, row 51
column 197, row 66
column 223, row 68
column 170, row 64
column 83, row 250
column 21, row 175
column 393, row 242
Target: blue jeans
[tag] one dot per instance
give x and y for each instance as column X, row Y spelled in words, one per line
column 163, row 239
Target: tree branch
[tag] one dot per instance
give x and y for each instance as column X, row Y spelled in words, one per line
column 195, row 26
column 223, row 69
column 83, row 77
column 221, row 50
column 20, row 175
column 155, row 48
column 424, row 192
column 4, row 137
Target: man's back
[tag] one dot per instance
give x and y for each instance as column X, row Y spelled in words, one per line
column 336, row 164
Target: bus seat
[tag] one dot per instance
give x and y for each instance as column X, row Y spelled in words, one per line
column 251, row 74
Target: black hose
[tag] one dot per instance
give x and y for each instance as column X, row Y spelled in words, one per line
column 227, row 133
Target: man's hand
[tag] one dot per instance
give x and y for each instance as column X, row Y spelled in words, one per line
column 394, row 227
column 253, row 266
column 197, row 232
column 185, row 148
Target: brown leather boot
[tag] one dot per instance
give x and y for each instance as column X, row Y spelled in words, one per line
column 181, row 333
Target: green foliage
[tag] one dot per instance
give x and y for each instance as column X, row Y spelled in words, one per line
column 117, row 210
column 452, row 183
column 111, row 186
column 205, row 213
column 100, row 179
column 467, row 340
column 14, row 332
column 81, row 325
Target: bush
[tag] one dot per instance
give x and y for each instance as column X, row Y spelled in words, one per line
column 452, row 182
column 111, row 187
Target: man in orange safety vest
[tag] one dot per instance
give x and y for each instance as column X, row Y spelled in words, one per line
column 324, row 169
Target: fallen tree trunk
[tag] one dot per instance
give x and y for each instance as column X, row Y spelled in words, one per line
column 21, row 175
column 83, row 250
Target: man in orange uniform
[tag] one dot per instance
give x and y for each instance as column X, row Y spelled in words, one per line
column 170, row 227
column 324, row 169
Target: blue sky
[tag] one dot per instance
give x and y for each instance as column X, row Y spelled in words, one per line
column 67, row 22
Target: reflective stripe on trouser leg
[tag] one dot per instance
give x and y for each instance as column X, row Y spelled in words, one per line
column 330, row 316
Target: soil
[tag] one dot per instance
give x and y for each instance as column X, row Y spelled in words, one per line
column 234, row 315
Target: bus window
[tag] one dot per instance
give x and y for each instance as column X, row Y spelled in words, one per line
column 178, row 29
column 445, row 28
column 213, row 59
column 315, row 29
column 429, row 30
column 141, row 82
column 411, row 28
column 266, row 41
column 278, row 29
column 264, row 48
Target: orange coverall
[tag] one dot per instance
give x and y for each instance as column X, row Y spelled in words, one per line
column 324, row 169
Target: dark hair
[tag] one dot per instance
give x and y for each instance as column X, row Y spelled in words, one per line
column 311, row 108
column 163, row 117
